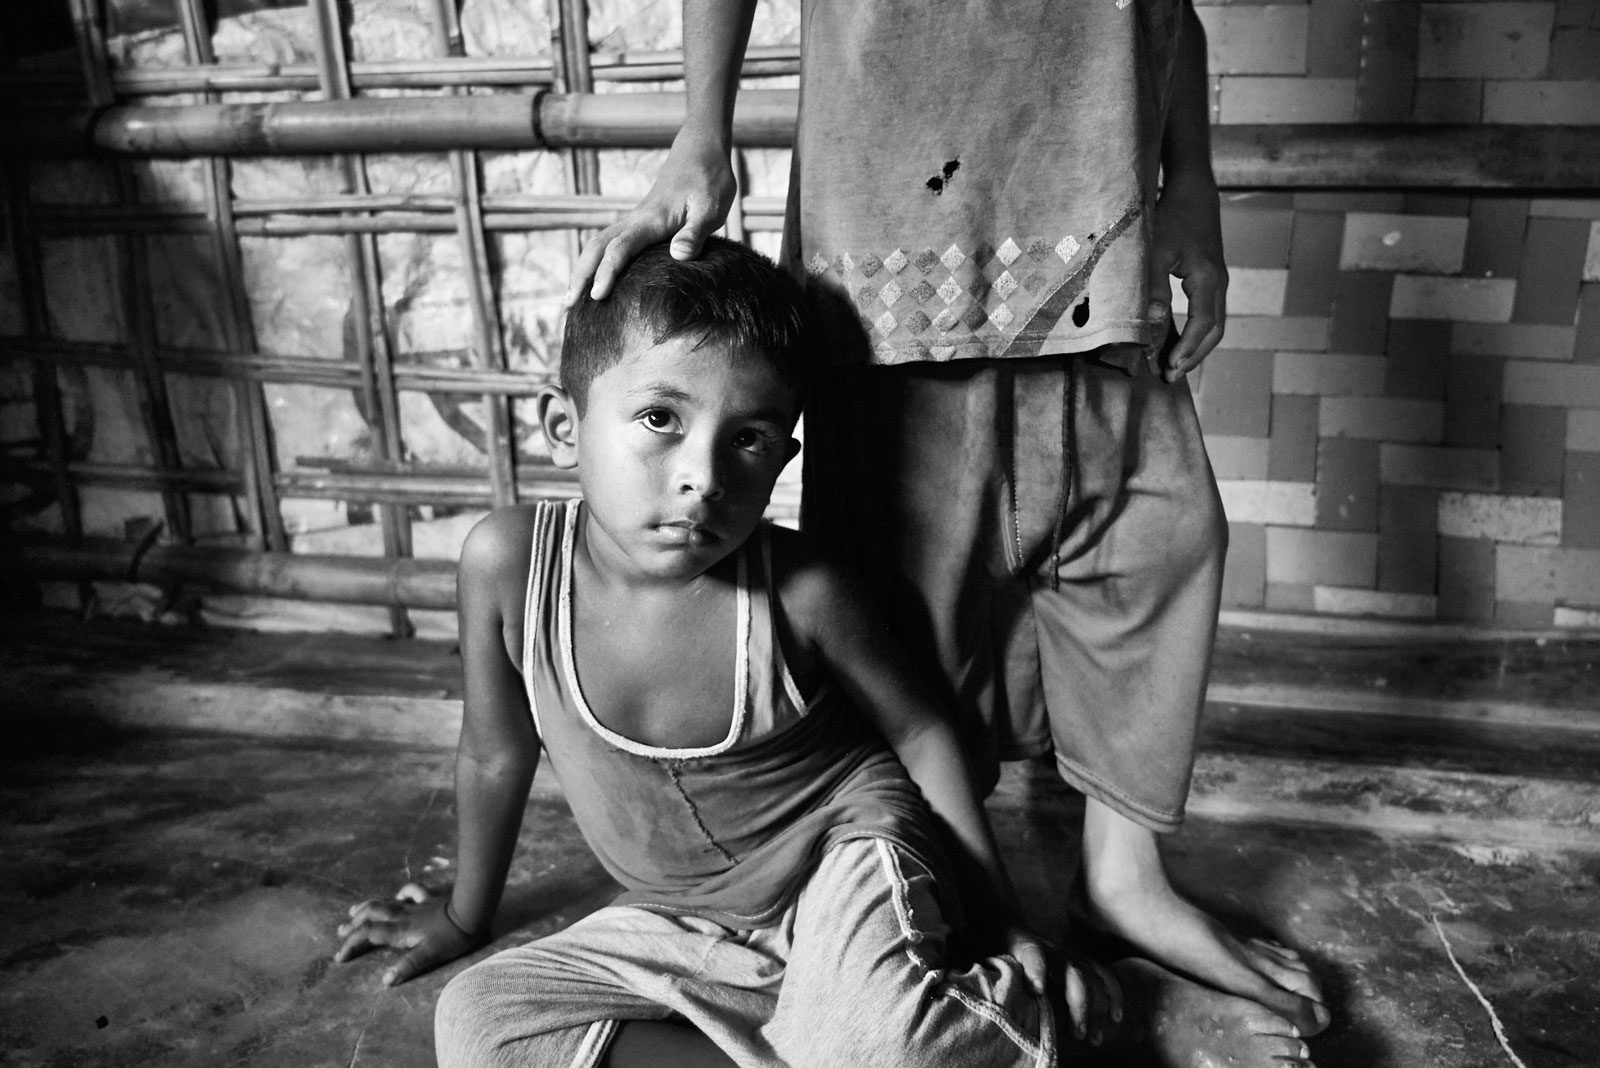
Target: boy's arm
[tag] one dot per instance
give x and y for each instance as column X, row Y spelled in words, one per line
column 695, row 187
column 1187, row 238
column 495, row 761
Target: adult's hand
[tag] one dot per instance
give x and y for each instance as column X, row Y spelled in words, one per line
column 1187, row 243
column 688, row 203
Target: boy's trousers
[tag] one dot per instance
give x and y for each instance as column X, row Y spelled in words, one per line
column 855, row 973
column 1047, row 536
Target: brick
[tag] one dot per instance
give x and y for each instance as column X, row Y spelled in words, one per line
column 1520, row 614
column 1575, row 53
column 1581, row 618
column 1444, row 203
column 1334, row 39
column 1407, row 563
column 1388, row 72
column 1249, row 99
column 1500, row 517
column 1466, row 580
column 1565, row 207
column 1495, row 233
column 1473, row 300
column 1313, row 263
column 1322, row 557
column 1553, row 385
column 1330, row 374
column 1447, row 100
column 1290, row 597
column 1360, row 319
column 1347, row 485
column 1472, row 402
column 1292, row 450
column 1418, row 243
column 1417, row 366
column 1551, row 271
column 1256, row 290
column 1591, row 255
column 1338, row 601
column 1304, row 334
column 1544, row 102
column 1586, row 342
column 1537, row 574
column 1381, row 419
column 1532, row 443
column 1408, row 510
column 1288, row 504
column 1256, row 237
column 1444, row 468
column 1236, row 457
column 1266, row 39
column 1583, row 430
column 1485, row 40
column 1244, row 575
column 1528, row 342
column 1580, row 501
column 1350, row 200
column 1235, row 393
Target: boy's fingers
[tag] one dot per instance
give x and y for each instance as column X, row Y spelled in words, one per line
column 414, row 893
column 1113, row 991
column 1077, row 1002
column 1034, row 967
column 407, row 967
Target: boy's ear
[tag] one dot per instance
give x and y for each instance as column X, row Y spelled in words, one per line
column 558, row 418
column 791, row 450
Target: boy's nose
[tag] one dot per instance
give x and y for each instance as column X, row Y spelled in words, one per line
column 699, row 475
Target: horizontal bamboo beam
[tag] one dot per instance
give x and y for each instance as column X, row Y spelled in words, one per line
column 433, row 73
column 400, row 583
column 1300, row 156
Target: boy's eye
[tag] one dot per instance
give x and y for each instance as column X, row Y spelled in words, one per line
column 754, row 440
column 657, row 419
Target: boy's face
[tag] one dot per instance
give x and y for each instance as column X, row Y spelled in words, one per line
column 677, row 451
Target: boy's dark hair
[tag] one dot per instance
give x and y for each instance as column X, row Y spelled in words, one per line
column 730, row 294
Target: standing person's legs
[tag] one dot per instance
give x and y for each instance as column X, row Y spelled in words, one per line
column 1075, row 616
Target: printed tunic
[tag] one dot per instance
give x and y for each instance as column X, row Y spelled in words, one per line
column 976, row 177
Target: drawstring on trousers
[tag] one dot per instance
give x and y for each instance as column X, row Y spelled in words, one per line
column 1069, row 439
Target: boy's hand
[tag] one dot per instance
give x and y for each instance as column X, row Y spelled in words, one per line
column 1093, row 995
column 413, row 922
column 688, row 202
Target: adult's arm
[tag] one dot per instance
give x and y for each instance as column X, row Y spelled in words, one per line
column 695, row 187
column 1188, row 222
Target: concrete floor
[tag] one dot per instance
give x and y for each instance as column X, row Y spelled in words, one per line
column 171, row 896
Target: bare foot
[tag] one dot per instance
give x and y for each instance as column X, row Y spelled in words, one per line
column 1129, row 896
column 1181, row 1024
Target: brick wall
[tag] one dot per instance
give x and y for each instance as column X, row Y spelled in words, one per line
column 1405, row 414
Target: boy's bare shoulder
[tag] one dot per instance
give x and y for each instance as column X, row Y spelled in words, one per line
column 809, row 575
column 499, row 546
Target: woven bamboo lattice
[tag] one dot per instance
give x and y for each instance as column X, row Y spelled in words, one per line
column 328, row 108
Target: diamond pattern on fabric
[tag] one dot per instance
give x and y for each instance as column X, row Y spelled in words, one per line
column 949, row 290
column 926, row 261
column 1067, row 248
column 816, row 265
column 871, row 265
column 917, row 322
column 846, row 264
column 1005, row 285
column 922, row 292
column 890, row 293
column 953, row 258
column 896, row 261
column 1001, row 317
column 945, row 321
column 886, row 322
column 1008, row 252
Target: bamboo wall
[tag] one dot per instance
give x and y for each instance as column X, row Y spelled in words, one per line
column 272, row 349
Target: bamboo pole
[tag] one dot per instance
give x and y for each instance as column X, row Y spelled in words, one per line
column 255, row 430
column 138, row 309
column 398, row 584
column 489, row 350
column 366, row 297
column 1310, row 156
column 770, row 61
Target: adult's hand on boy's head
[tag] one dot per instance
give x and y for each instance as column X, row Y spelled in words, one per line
column 1186, row 242
column 413, row 922
column 689, row 201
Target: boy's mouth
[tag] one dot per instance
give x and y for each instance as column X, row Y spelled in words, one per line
column 687, row 532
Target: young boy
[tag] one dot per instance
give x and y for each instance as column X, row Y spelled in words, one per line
column 715, row 701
